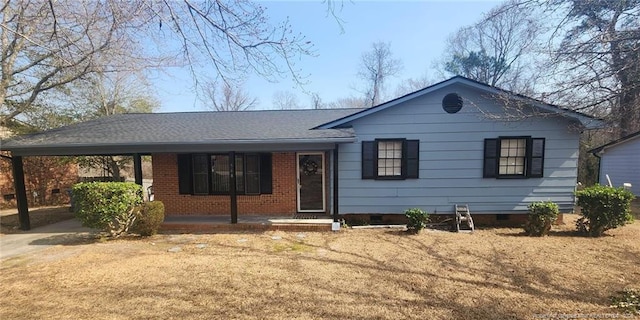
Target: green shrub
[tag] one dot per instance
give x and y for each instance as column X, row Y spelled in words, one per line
column 627, row 300
column 107, row 206
column 541, row 215
column 417, row 219
column 149, row 217
column 603, row 208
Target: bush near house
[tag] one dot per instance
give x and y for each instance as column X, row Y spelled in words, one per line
column 541, row 215
column 108, row 206
column 149, row 217
column 603, row 208
column 417, row 219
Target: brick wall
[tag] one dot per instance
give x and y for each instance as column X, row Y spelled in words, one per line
column 281, row 202
column 47, row 180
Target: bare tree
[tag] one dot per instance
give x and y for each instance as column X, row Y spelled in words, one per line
column 498, row 50
column 376, row 66
column 349, row 102
column 316, row 101
column 106, row 94
column 595, row 51
column 413, row 84
column 47, row 45
column 225, row 97
column 285, row 100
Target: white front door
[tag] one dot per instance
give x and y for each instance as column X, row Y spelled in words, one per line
column 311, row 186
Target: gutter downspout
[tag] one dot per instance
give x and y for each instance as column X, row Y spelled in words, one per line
column 597, row 155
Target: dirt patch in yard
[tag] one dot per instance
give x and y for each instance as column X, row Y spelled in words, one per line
column 10, row 223
column 353, row 274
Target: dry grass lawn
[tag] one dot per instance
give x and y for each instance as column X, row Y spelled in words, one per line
column 354, row 274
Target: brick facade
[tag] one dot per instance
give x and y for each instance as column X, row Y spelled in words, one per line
column 281, row 202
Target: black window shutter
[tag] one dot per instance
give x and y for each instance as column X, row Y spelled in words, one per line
column 185, row 174
column 535, row 158
column 490, row 166
column 265, row 174
column 411, row 159
column 369, row 159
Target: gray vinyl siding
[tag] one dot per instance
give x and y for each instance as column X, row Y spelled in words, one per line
column 622, row 164
column 451, row 159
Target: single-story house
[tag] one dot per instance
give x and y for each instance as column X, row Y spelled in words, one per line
column 455, row 142
column 620, row 160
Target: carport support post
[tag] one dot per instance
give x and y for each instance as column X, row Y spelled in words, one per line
column 232, row 187
column 137, row 168
column 21, row 192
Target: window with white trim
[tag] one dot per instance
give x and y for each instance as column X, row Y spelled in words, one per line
column 514, row 157
column 389, row 158
column 513, row 154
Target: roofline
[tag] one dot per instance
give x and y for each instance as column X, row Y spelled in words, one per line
column 588, row 121
column 177, row 147
column 238, row 111
column 600, row 149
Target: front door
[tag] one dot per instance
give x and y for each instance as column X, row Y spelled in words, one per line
column 311, row 187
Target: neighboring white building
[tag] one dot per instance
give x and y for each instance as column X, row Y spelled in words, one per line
column 620, row 160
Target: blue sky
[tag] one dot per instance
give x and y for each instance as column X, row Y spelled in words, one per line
column 417, row 31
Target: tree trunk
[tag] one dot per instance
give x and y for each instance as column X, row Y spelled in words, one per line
column 114, row 168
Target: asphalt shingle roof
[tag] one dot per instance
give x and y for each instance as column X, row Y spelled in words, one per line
column 191, row 128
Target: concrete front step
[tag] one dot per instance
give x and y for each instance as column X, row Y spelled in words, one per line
column 188, row 224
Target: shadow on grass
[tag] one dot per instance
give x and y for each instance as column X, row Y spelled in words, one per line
column 413, row 287
column 552, row 233
column 70, row 239
column 505, row 275
column 39, row 217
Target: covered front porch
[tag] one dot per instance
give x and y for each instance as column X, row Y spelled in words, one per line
column 308, row 193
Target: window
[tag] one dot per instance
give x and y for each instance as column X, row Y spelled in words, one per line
column 220, row 174
column 200, row 174
column 390, row 159
column 252, row 173
column 513, row 157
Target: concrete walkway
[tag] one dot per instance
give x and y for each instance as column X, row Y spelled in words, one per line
column 41, row 238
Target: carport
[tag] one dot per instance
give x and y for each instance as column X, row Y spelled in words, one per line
column 20, row 188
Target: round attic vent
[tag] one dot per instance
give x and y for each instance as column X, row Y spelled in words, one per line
column 452, row 103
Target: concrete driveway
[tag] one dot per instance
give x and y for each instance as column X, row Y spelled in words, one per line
column 42, row 238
